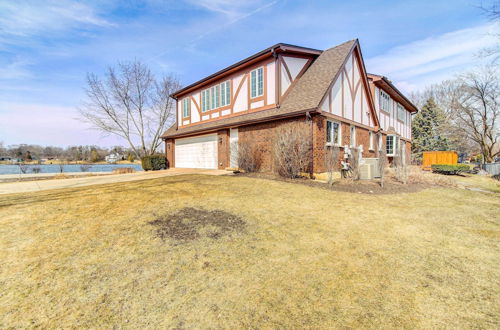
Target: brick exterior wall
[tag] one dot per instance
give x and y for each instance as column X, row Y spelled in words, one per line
column 261, row 136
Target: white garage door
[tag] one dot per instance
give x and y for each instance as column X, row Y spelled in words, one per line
column 196, row 152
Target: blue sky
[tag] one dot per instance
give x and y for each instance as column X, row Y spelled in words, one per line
column 47, row 47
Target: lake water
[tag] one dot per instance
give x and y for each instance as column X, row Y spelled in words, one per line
column 14, row 169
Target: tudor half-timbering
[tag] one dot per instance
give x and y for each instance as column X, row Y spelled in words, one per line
column 283, row 83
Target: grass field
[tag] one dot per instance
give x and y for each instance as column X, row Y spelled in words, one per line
column 230, row 252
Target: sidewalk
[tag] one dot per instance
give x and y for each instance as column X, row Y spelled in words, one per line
column 39, row 185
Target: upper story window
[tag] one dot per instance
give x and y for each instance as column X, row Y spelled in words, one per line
column 186, row 107
column 401, row 112
column 257, row 82
column 216, row 96
column 385, row 101
column 353, row 136
column 333, row 135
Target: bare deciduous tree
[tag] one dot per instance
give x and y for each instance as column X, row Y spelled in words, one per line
column 85, row 167
column 131, row 103
column 400, row 163
column 474, row 109
column 292, row 147
column 23, row 168
column 248, row 156
column 331, row 161
column 382, row 157
column 354, row 160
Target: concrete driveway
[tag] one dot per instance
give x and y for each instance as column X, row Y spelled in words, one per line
column 39, row 185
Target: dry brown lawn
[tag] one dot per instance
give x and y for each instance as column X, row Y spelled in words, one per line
column 296, row 257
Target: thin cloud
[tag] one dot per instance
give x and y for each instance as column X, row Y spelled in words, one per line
column 214, row 5
column 426, row 60
column 31, row 18
column 229, row 8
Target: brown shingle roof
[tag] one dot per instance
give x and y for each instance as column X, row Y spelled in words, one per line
column 305, row 95
column 309, row 90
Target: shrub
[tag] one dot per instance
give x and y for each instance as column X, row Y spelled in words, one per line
column 450, row 169
column 130, row 157
column 292, row 148
column 154, row 162
column 248, row 157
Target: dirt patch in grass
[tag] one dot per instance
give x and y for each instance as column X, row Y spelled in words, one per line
column 362, row 187
column 190, row 223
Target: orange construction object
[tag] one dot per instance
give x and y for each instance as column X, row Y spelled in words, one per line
column 438, row 158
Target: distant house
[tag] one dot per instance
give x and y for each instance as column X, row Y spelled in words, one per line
column 113, row 158
column 247, row 102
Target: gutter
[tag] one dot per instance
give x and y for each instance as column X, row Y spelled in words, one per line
column 242, row 123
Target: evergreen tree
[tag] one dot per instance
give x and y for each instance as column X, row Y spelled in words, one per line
column 427, row 130
column 94, row 155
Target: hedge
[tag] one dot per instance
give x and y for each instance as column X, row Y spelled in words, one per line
column 154, row 162
column 450, row 169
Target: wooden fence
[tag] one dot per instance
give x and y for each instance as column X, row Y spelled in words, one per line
column 438, row 157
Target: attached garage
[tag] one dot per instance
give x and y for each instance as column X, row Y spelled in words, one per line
column 196, row 152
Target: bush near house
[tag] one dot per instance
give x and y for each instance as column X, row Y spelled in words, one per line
column 154, row 162
column 450, row 169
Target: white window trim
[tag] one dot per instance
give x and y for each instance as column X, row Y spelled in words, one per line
column 339, row 134
column 352, row 141
column 371, row 138
column 256, row 70
column 395, row 143
column 189, row 107
column 400, row 107
column 384, row 98
column 213, row 102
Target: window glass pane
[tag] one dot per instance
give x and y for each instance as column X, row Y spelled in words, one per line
column 336, row 133
column 253, row 84
column 212, row 98
column 217, row 96
column 390, row 145
column 328, row 131
column 260, row 82
column 222, row 95
column 185, row 107
column 228, row 93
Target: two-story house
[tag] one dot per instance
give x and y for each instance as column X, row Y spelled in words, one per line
column 249, row 99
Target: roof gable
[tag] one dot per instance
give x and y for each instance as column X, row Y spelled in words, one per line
column 349, row 95
column 310, row 89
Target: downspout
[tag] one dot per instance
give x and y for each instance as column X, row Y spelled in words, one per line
column 176, row 113
column 276, row 77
